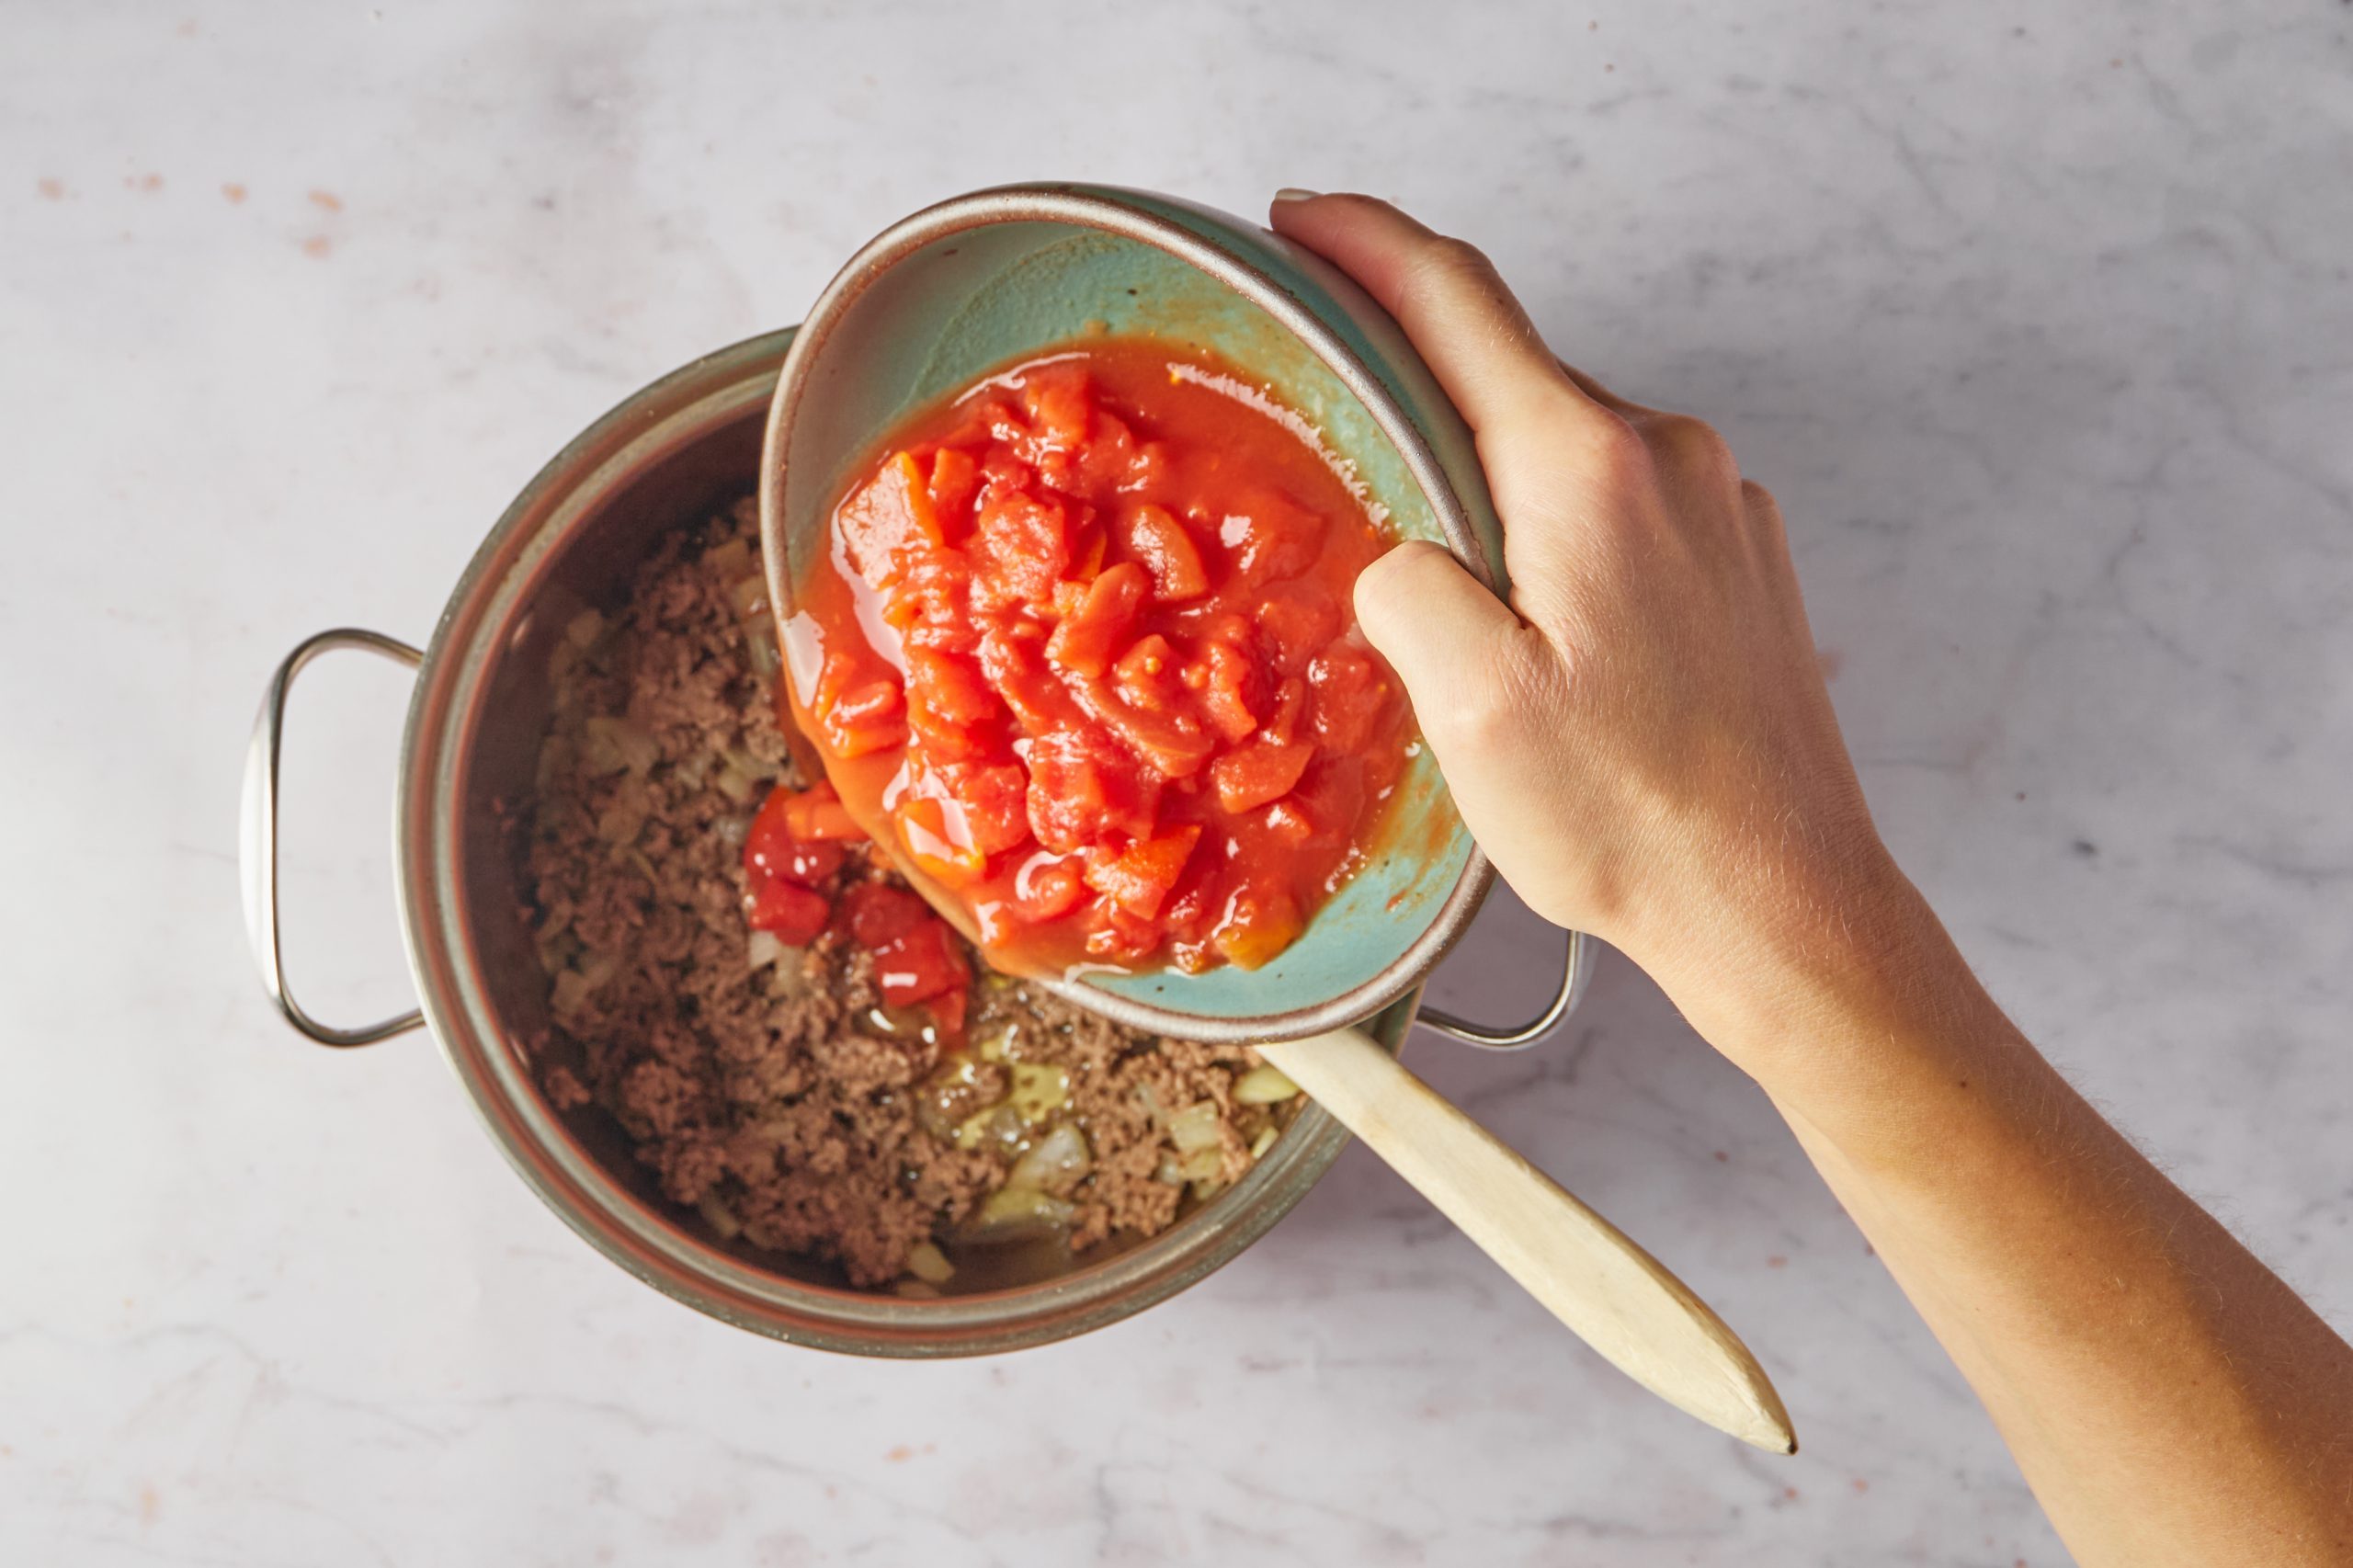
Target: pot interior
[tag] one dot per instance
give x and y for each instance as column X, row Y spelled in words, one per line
column 591, row 566
column 669, row 458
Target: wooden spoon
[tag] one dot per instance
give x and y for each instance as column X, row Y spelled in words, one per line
column 1611, row 1293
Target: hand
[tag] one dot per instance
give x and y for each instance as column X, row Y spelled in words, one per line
column 1642, row 740
column 1642, row 743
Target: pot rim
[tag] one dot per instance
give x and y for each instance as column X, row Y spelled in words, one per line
column 1132, row 215
column 483, row 615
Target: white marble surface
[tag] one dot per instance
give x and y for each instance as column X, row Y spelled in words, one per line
column 2037, row 320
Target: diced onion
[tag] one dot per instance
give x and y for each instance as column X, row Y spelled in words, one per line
column 1011, row 1206
column 612, row 744
column 1195, row 1128
column 619, row 822
column 1056, row 1162
column 583, row 629
column 1262, row 1086
column 750, row 597
column 718, row 1217
column 1040, row 1088
column 1202, row 1164
column 998, row 1123
column 575, row 986
column 732, row 558
column 929, row 1264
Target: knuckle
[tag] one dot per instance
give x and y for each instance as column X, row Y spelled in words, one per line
column 1694, row 449
column 1385, row 590
column 1616, row 452
column 1491, row 705
column 1448, row 266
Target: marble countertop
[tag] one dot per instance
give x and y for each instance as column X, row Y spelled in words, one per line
column 2039, row 324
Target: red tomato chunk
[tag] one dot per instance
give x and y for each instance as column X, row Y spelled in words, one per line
column 1084, row 644
column 793, row 855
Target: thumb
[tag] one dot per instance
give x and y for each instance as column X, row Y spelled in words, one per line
column 1443, row 633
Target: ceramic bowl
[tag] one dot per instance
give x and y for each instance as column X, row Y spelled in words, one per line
column 964, row 287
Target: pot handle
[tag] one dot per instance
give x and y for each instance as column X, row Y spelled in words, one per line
column 1576, row 968
column 257, row 835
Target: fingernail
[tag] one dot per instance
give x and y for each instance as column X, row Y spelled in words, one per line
column 1293, row 193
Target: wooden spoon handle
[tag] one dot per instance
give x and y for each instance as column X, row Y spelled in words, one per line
column 1611, row 1293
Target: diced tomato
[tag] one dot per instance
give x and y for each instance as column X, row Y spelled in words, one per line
column 1004, row 422
column 775, row 850
column 1103, row 463
column 998, row 920
column 1173, row 742
column 812, row 863
column 1088, row 640
column 1019, row 549
column 1152, row 537
column 955, row 480
column 1121, row 936
column 858, row 711
column 1283, row 716
column 1087, row 545
column 1082, row 792
column 1145, row 676
column 996, row 800
column 1047, row 888
column 1299, row 619
column 1150, row 469
column 942, row 848
column 1257, row 773
column 1086, row 630
column 919, row 963
column 947, row 1011
column 1269, row 536
column 794, row 913
column 1058, row 403
column 1257, row 926
column 1138, row 878
column 888, row 518
column 948, row 706
column 1233, row 679
column 926, row 603
column 1287, row 820
column 817, row 815
column 1346, row 692
column 1331, row 797
column 876, row 912
column 865, row 720
column 1194, row 898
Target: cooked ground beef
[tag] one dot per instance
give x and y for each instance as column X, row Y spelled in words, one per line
column 767, row 1085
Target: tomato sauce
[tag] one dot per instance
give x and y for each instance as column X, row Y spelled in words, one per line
column 1083, row 641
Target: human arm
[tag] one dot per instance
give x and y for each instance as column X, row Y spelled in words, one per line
column 1643, row 743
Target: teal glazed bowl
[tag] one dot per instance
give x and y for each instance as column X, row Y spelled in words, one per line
column 962, row 289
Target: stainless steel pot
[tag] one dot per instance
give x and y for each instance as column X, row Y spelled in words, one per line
column 666, row 457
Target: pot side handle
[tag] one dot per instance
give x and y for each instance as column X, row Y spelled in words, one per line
column 257, row 835
column 1576, row 968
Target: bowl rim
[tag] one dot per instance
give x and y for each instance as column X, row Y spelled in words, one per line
column 490, row 599
column 1134, row 215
